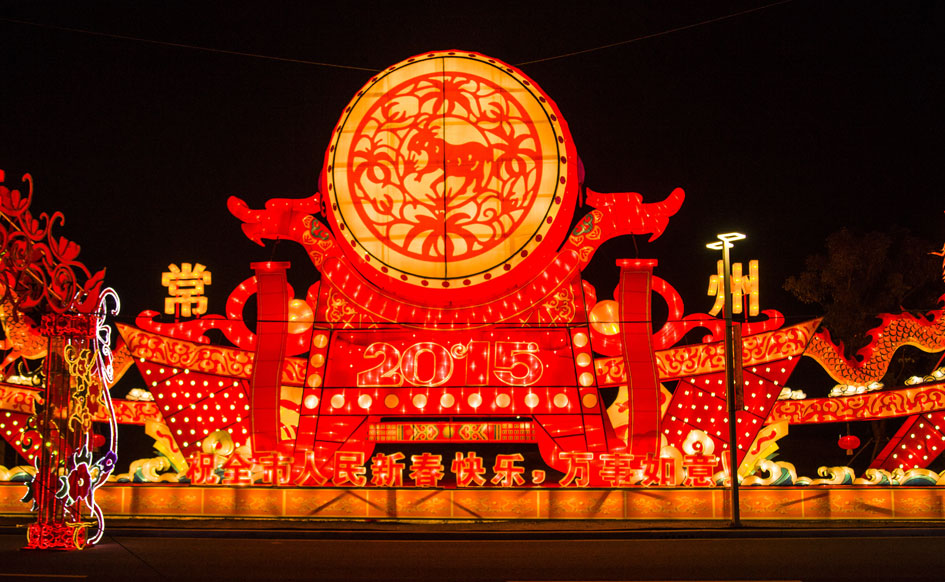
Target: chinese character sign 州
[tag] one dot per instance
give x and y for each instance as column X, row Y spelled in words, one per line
column 742, row 287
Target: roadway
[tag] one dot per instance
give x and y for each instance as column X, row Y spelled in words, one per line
column 418, row 554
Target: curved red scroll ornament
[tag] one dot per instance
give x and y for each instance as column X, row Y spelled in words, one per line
column 271, row 331
column 282, row 215
column 643, row 387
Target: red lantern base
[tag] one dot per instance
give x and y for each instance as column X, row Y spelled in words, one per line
column 56, row 536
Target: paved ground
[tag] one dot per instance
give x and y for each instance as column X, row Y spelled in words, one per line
column 477, row 552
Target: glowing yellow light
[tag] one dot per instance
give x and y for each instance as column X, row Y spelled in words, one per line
column 300, row 316
column 604, row 317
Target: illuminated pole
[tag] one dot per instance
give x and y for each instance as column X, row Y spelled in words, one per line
column 724, row 244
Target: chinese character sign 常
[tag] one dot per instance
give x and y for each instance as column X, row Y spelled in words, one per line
column 185, row 287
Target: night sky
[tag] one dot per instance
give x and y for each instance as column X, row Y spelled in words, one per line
column 787, row 123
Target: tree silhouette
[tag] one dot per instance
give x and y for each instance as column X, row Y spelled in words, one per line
column 862, row 276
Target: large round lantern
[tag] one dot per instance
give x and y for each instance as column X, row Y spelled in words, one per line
column 450, row 174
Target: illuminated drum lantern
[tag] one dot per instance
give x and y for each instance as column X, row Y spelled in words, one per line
column 451, row 178
column 450, row 289
column 449, row 185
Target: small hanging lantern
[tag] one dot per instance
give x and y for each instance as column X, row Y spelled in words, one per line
column 849, row 442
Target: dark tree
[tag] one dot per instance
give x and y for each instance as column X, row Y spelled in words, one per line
column 862, row 276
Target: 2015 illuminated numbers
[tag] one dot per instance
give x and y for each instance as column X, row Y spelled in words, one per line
column 483, row 363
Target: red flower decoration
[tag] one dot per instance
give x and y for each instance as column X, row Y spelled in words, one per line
column 80, row 482
column 64, row 249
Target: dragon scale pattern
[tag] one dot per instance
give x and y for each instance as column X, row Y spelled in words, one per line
column 870, row 364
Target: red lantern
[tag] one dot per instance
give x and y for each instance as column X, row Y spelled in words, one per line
column 97, row 440
column 849, row 442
